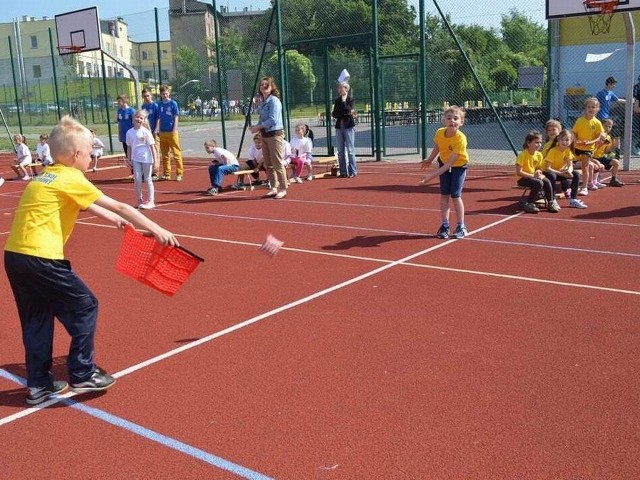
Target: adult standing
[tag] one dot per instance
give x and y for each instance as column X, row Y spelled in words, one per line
column 271, row 130
column 168, row 113
column 152, row 110
column 344, row 113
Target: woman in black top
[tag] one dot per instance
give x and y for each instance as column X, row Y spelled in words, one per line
column 344, row 113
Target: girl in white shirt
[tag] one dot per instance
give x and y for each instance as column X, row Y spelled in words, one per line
column 301, row 147
column 142, row 156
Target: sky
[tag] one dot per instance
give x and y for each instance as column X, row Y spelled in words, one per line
column 463, row 11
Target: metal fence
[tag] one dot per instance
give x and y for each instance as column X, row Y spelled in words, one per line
column 494, row 63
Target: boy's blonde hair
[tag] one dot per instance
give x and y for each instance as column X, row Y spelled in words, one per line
column 608, row 121
column 211, row 143
column 65, row 137
column 454, row 109
column 19, row 138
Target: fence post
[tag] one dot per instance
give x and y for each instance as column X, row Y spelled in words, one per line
column 15, row 85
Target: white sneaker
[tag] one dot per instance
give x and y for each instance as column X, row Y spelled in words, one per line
column 309, row 177
column 583, row 192
column 298, row 180
column 147, row 206
column 1, row 181
column 26, row 178
column 600, row 184
column 575, row 203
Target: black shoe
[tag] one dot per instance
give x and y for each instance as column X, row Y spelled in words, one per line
column 38, row 395
column 616, row 183
column 99, row 380
column 443, row 231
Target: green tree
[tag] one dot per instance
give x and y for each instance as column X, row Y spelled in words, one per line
column 522, row 35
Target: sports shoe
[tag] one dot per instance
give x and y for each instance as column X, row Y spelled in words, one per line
column 1, row 181
column 567, row 193
column 530, row 208
column 592, row 187
column 147, row 206
column 178, row 178
column 443, row 231
column 298, row 180
column 460, row 231
column 165, row 177
column 553, row 207
column 38, row 395
column 212, row 192
column 238, row 186
column 271, row 193
column 154, row 177
column 600, row 184
column 583, row 192
column 309, row 177
column 281, row 194
column 614, row 183
column 99, row 380
column 576, row 203
column 26, row 178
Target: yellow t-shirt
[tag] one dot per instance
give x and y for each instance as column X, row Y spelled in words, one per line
column 448, row 145
column 601, row 150
column 530, row 162
column 546, row 148
column 47, row 212
column 587, row 130
column 558, row 159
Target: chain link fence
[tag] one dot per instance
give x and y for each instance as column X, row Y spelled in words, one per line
column 497, row 64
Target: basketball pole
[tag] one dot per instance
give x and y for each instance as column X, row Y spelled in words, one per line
column 8, row 132
column 628, row 108
column 132, row 71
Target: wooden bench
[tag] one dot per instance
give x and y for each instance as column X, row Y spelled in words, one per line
column 330, row 163
column 242, row 174
column 119, row 156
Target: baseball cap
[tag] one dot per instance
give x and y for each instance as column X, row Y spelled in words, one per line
column 611, row 80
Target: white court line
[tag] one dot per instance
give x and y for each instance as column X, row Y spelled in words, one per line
column 31, row 410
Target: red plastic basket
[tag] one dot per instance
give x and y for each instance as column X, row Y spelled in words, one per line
column 161, row 267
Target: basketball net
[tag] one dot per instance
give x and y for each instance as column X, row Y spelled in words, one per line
column 69, row 54
column 600, row 14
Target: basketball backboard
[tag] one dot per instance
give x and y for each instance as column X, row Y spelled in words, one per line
column 574, row 8
column 80, row 29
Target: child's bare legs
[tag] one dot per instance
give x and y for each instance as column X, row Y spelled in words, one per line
column 586, row 177
column 458, row 206
column 444, row 209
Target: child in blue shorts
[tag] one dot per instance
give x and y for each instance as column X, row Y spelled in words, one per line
column 451, row 146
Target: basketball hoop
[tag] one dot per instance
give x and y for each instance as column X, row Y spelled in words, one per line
column 600, row 14
column 69, row 53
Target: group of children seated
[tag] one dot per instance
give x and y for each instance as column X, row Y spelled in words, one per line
column 24, row 166
column 588, row 147
column 297, row 155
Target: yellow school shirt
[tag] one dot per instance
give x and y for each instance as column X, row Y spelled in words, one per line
column 546, row 148
column 47, row 212
column 449, row 145
column 530, row 162
column 558, row 159
column 601, row 150
column 587, row 130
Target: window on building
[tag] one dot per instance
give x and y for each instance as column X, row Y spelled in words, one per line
column 88, row 68
column 121, row 52
column 109, row 71
column 146, row 74
column 165, row 74
column 145, row 56
column 37, row 71
column 34, row 41
column 164, row 54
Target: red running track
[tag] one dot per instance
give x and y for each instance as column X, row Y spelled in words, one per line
column 366, row 348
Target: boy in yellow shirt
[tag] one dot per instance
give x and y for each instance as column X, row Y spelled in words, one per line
column 44, row 285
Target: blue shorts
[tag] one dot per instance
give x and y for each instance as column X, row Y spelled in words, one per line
column 452, row 180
